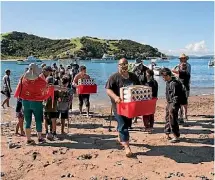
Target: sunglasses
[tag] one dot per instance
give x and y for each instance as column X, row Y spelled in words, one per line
column 123, row 64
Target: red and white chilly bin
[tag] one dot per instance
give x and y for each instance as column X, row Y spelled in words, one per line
column 136, row 101
column 86, row 86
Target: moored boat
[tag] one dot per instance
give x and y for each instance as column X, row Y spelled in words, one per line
column 29, row 60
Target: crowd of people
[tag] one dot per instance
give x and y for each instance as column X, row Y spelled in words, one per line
column 47, row 93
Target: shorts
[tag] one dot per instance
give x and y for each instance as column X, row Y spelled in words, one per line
column 51, row 115
column 84, row 98
column 20, row 115
column 6, row 93
column 63, row 115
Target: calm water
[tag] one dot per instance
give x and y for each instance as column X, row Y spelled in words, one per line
column 202, row 77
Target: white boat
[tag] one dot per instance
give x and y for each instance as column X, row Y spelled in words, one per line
column 159, row 60
column 29, row 60
column 211, row 63
column 105, row 59
column 157, row 70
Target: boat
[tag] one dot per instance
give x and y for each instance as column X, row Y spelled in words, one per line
column 211, row 63
column 159, row 60
column 105, row 59
column 157, row 70
column 29, row 60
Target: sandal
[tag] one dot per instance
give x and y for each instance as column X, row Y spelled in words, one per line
column 128, row 152
column 41, row 140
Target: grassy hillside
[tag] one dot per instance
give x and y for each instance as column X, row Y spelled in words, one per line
column 21, row 45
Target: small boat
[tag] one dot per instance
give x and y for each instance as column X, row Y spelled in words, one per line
column 159, row 60
column 157, row 70
column 105, row 59
column 29, row 60
column 211, row 63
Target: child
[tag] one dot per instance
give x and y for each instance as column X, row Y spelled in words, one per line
column 148, row 120
column 51, row 113
column 20, row 116
column 64, row 103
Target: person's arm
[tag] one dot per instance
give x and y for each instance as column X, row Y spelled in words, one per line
column 109, row 90
column 176, row 89
column 75, row 81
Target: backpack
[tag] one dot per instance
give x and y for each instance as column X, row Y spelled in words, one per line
column 183, row 96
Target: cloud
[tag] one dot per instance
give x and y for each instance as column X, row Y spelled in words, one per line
column 196, row 48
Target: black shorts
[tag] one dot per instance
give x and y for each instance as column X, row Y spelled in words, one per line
column 84, row 98
column 63, row 115
column 51, row 115
column 6, row 93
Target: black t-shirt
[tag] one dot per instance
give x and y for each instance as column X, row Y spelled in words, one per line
column 154, row 85
column 184, row 77
column 116, row 81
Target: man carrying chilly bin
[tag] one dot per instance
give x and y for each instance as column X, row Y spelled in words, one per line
column 122, row 78
column 83, row 98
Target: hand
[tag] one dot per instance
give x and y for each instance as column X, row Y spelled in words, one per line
column 59, row 99
column 117, row 99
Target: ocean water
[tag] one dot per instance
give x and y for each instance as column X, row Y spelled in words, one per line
column 202, row 77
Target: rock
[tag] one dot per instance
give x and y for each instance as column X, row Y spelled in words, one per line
column 69, row 175
column 118, row 163
column 84, row 156
column 212, row 173
column 2, row 174
column 94, row 178
column 46, row 164
column 2, row 155
column 140, row 162
column 54, row 151
column 63, row 176
column 34, row 155
column 181, row 151
column 105, row 178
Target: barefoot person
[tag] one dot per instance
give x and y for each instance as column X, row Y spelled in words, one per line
column 120, row 79
column 175, row 97
column 6, row 88
column 83, row 98
column 183, row 72
column 20, row 116
column 33, row 90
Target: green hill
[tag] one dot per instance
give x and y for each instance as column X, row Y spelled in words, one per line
column 21, row 45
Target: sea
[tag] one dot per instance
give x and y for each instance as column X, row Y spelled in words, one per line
column 202, row 77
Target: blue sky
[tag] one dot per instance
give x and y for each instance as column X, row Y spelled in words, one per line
column 172, row 27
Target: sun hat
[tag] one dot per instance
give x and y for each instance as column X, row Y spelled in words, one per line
column 183, row 56
column 33, row 72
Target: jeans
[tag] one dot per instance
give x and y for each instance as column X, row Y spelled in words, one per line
column 35, row 108
column 122, row 127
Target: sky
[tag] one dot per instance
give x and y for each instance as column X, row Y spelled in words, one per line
column 172, row 27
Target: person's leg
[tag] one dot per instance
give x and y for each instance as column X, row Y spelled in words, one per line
column 86, row 98
column 64, row 116
column 123, row 132
column 28, row 118
column 152, row 120
column 173, row 118
column 146, row 122
column 38, row 114
column 46, row 122
column 21, row 120
column 5, row 101
column 167, row 128
column 81, row 102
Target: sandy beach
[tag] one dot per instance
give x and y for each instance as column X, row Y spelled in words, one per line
column 90, row 151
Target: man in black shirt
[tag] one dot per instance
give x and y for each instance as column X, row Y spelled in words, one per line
column 120, row 79
column 173, row 97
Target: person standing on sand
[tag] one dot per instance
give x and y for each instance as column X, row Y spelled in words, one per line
column 148, row 120
column 20, row 116
column 122, row 78
column 6, row 88
column 183, row 72
column 82, row 97
column 174, row 91
column 33, row 90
